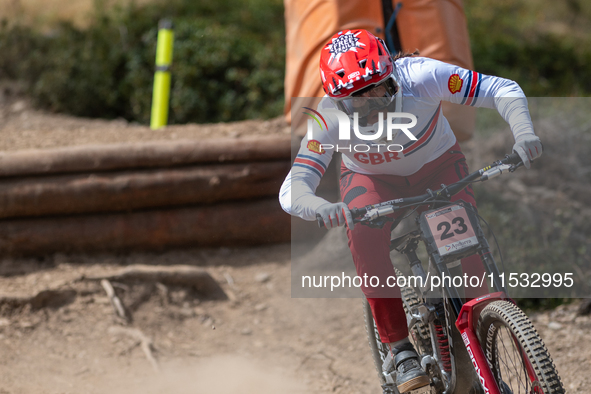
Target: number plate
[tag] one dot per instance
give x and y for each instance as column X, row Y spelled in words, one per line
column 451, row 229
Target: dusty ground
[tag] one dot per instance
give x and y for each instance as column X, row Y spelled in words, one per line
column 47, row 12
column 259, row 341
column 22, row 127
column 263, row 340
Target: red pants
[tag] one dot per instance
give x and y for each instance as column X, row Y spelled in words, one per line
column 370, row 247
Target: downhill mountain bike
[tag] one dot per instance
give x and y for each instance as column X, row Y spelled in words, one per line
column 486, row 345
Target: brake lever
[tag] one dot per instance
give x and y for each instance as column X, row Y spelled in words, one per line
column 516, row 166
column 377, row 223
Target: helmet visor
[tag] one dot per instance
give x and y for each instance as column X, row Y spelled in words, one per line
column 370, row 98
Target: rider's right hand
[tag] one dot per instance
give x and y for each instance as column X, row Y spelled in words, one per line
column 335, row 215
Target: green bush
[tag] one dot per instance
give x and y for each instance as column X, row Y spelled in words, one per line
column 229, row 56
column 222, row 74
column 228, row 63
column 517, row 40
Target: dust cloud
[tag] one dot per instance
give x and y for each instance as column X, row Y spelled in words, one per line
column 217, row 375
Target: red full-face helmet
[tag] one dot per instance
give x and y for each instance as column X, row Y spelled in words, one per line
column 355, row 65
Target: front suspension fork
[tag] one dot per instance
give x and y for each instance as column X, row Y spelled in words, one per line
column 465, row 325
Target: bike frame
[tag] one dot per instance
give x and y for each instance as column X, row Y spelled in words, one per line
column 468, row 313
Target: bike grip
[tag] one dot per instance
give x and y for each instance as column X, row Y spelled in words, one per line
column 357, row 213
column 513, row 158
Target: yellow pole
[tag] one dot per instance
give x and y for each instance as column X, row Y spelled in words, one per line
column 161, row 92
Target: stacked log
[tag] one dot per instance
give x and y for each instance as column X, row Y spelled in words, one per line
column 230, row 224
column 153, row 154
column 141, row 189
column 147, row 196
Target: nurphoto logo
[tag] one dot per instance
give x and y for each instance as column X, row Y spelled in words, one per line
column 392, row 125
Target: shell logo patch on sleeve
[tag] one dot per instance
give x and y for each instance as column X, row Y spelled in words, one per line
column 455, row 83
column 314, row 146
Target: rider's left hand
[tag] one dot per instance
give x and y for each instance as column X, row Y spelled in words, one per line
column 528, row 147
column 335, row 215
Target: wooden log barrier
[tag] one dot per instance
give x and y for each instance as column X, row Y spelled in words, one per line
column 154, row 154
column 227, row 224
column 126, row 191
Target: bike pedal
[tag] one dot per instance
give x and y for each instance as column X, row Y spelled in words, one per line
column 422, row 390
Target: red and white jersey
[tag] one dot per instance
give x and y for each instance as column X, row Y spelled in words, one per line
column 425, row 83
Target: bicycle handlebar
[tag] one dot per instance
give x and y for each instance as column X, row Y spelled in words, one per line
column 513, row 158
column 511, row 162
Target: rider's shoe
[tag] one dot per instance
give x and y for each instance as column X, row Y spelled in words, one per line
column 409, row 374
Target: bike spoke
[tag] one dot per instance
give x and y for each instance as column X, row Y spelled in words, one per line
column 515, row 371
column 513, row 366
column 507, row 368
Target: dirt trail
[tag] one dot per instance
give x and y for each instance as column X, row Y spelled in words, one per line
column 22, row 127
column 263, row 340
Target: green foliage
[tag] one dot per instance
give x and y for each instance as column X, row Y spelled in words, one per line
column 228, row 61
column 542, row 45
column 229, row 56
column 225, row 74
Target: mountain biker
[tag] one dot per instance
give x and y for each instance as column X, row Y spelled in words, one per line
column 361, row 79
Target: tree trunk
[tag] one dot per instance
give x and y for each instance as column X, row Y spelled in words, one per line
column 96, row 158
column 234, row 224
column 126, row 191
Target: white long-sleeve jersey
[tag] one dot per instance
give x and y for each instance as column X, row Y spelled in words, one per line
column 425, row 83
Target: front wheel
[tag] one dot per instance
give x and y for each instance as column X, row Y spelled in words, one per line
column 517, row 355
